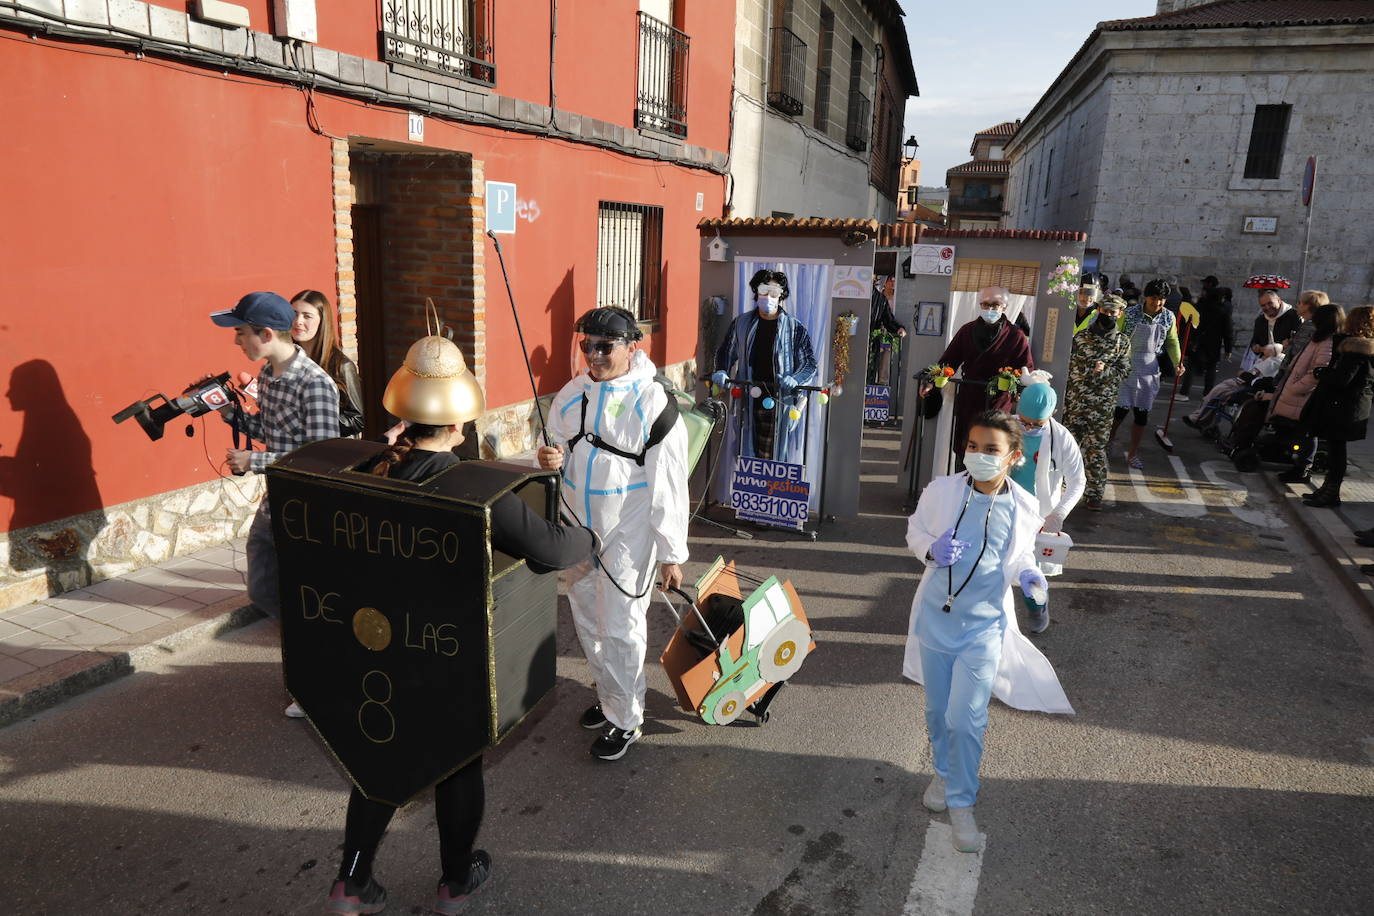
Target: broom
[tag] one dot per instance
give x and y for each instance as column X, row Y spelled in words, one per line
column 1190, row 315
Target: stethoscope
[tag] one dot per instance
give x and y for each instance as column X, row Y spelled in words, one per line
column 950, row 591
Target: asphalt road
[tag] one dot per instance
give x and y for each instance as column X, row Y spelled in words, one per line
column 1221, row 758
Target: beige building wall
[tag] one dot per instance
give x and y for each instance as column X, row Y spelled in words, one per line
column 783, row 164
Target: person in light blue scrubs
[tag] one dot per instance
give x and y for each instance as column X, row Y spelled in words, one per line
column 976, row 531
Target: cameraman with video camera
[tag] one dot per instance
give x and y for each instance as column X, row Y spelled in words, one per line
column 298, row 403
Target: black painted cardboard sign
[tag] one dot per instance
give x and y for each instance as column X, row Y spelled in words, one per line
column 409, row 642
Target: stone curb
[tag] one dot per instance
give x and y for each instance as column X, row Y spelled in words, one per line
column 51, row 686
column 1330, row 532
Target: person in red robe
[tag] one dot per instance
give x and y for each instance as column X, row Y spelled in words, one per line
column 978, row 350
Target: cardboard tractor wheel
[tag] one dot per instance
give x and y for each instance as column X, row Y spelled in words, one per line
column 739, row 665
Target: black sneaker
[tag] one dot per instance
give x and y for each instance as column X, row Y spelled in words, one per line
column 452, row 897
column 614, row 743
column 1095, row 503
column 593, row 718
column 348, row 898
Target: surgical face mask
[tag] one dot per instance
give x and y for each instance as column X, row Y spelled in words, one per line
column 770, row 298
column 981, row 466
column 990, row 315
column 1104, row 323
column 1030, row 431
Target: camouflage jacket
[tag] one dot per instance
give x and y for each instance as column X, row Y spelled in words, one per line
column 1088, row 388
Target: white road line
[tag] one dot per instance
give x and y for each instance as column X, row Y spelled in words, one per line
column 1190, row 506
column 1249, row 508
column 946, row 881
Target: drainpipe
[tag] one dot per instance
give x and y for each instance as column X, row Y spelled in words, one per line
column 553, row 58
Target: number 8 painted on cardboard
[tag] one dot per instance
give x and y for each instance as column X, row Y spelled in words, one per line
column 370, row 700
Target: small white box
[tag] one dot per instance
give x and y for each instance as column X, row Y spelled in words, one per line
column 295, row 19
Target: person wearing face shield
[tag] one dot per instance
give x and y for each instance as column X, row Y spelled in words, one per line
column 772, row 350
column 1089, row 292
column 1051, row 471
column 976, row 532
column 978, row 349
column 632, row 492
column 1099, row 362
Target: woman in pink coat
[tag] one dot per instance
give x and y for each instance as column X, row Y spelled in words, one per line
column 1301, row 381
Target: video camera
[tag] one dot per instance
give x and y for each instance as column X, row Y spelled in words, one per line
column 210, row 393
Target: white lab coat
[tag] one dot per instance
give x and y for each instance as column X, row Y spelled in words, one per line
column 1059, row 479
column 1025, row 679
column 638, row 513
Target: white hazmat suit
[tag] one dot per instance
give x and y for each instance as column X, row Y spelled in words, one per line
column 639, row 513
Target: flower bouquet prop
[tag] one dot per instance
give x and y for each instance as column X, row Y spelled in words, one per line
column 1064, row 279
column 939, row 375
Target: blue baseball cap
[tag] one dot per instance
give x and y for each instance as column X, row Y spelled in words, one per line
column 261, row 310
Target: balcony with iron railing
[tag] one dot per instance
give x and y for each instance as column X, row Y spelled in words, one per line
column 451, row 37
column 787, row 72
column 661, row 100
column 962, row 204
column 860, row 121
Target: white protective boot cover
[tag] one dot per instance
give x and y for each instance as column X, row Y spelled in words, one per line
column 965, row 829
column 934, row 799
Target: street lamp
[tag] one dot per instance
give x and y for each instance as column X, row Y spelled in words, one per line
column 910, row 146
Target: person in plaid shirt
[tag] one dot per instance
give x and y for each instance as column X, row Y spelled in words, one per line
column 299, row 404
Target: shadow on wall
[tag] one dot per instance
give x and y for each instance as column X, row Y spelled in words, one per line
column 557, row 368
column 49, row 476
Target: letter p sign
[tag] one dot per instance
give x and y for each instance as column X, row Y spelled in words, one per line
column 501, row 206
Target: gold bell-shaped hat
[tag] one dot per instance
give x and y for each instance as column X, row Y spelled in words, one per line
column 434, row 386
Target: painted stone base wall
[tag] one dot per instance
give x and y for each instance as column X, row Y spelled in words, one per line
column 71, row 553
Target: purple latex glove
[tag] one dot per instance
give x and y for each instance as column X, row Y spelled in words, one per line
column 1030, row 579
column 947, row 550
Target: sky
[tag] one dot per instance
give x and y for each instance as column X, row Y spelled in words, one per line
column 987, row 61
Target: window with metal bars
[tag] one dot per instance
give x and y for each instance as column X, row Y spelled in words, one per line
column 452, row 37
column 629, row 258
column 1267, row 133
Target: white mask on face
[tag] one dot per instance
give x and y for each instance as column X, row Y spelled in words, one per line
column 990, row 315
column 981, row 466
column 769, row 305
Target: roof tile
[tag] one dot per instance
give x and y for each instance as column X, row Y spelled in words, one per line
column 1251, row 14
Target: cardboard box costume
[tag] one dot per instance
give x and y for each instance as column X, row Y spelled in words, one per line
column 412, row 644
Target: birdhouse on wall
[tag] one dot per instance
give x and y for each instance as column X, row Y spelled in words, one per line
column 716, row 249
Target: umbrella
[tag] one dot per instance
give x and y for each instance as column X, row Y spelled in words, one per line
column 1268, row 281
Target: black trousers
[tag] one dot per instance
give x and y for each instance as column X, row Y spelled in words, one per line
column 458, row 804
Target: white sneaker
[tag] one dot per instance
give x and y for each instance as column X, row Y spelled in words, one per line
column 294, row 711
column 934, row 799
column 1181, row 398
column 965, row 829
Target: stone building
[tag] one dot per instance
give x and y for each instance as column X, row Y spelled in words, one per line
column 820, row 96
column 1179, row 143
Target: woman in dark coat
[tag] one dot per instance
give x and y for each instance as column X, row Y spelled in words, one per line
column 1338, row 410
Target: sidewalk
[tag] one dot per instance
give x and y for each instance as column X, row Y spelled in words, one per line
column 53, row 649
column 1332, row 531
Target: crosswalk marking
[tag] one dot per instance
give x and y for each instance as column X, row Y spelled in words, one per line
column 946, row 880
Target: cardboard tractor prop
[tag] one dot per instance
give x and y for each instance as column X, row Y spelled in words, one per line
column 411, row 643
column 741, row 663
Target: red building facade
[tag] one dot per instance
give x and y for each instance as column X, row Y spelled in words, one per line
column 160, row 166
